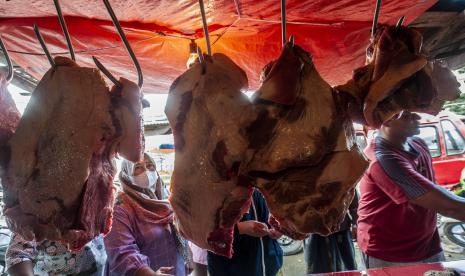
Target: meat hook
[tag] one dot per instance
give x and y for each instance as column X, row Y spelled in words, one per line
column 205, row 28
column 65, row 29
column 375, row 18
column 99, row 65
column 283, row 22
column 106, row 72
column 9, row 76
column 43, row 45
column 400, row 22
column 291, row 40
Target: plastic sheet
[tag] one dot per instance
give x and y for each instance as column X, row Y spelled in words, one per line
column 336, row 32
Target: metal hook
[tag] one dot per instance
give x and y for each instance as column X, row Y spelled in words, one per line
column 65, row 29
column 140, row 81
column 9, row 76
column 283, row 22
column 200, row 54
column 205, row 28
column 106, row 72
column 375, row 18
column 400, row 22
column 43, row 45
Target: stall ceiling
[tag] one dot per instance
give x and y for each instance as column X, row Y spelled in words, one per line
column 336, row 32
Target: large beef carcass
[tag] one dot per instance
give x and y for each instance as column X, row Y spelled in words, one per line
column 207, row 111
column 397, row 77
column 58, row 166
column 302, row 150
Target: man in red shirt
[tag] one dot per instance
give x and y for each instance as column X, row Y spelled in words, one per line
column 400, row 200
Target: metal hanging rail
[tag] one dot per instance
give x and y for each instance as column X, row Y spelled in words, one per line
column 9, row 75
column 283, row 22
column 43, row 45
column 375, row 17
column 205, row 27
column 65, row 29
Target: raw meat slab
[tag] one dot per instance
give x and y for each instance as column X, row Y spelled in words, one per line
column 59, row 170
column 302, row 152
column 207, row 112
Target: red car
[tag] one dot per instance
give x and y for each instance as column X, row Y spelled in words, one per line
column 444, row 134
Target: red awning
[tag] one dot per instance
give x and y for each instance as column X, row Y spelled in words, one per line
column 336, row 32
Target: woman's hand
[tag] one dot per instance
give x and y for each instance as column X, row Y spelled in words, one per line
column 253, row 228
column 163, row 271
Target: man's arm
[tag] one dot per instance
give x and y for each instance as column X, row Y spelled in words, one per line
column 443, row 202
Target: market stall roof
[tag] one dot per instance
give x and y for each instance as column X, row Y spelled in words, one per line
column 336, row 32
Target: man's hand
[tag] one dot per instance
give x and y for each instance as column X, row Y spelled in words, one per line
column 253, row 228
column 25, row 268
column 274, row 234
column 353, row 229
column 163, row 271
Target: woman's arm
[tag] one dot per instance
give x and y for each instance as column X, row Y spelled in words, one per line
column 123, row 254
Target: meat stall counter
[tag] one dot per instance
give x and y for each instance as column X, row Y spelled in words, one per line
column 444, row 268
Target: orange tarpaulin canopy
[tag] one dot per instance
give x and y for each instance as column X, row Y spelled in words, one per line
column 336, row 32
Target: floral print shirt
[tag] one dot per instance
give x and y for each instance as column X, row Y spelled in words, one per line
column 54, row 258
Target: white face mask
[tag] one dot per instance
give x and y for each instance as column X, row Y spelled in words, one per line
column 147, row 179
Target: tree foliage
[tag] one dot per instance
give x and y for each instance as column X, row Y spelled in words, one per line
column 458, row 106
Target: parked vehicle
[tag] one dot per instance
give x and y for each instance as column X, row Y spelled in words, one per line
column 452, row 229
column 290, row 246
column 444, row 134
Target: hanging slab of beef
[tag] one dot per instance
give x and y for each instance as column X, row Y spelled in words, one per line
column 397, row 77
column 302, row 153
column 207, row 111
column 59, row 169
column 9, row 114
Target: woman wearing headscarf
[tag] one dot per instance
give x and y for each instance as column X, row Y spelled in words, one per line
column 143, row 239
